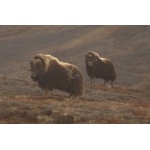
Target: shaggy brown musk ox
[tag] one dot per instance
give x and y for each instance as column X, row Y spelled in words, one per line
column 98, row 67
column 50, row 73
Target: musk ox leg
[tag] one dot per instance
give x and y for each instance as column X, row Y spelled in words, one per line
column 46, row 92
column 112, row 83
column 92, row 80
column 71, row 95
column 104, row 82
column 69, row 98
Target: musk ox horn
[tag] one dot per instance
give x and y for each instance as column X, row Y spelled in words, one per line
column 43, row 59
column 40, row 56
column 92, row 54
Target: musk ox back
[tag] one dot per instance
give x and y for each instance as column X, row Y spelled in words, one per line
column 98, row 67
column 50, row 73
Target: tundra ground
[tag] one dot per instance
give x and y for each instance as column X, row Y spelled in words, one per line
column 22, row 101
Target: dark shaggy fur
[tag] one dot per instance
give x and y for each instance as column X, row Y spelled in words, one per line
column 51, row 74
column 98, row 67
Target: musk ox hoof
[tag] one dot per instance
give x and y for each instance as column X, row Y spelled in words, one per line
column 72, row 97
column 109, row 86
column 68, row 99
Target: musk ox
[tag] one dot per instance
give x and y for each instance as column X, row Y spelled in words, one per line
column 98, row 67
column 50, row 73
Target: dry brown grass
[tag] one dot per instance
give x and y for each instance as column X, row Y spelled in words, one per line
column 23, row 102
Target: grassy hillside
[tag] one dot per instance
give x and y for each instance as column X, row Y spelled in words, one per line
column 127, row 46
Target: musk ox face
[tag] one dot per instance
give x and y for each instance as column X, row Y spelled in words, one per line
column 36, row 68
column 90, row 59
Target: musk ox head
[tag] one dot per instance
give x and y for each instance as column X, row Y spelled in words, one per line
column 36, row 68
column 39, row 65
column 91, row 58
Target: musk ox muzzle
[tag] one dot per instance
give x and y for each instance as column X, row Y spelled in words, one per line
column 90, row 63
column 50, row 73
column 33, row 73
column 98, row 67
